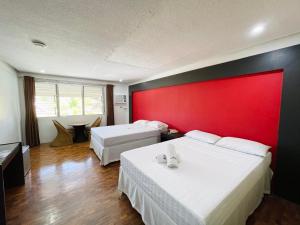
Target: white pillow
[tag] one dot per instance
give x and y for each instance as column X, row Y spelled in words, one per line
column 203, row 136
column 243, row 145
column 159, row 125
column 141, row 122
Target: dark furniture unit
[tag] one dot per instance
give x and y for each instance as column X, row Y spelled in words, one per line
column 170, row 136
column 80, row 132
column 11, row 172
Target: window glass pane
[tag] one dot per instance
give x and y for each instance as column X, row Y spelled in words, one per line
column 70, row 99
column 93, row 100
column 45, row 99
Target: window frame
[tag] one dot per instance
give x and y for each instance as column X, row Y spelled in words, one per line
column 103, row 98
column 58, row 96
column 102, row 87
column 35, row 99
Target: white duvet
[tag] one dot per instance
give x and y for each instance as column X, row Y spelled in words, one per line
column 117, row 134
column 206, row 188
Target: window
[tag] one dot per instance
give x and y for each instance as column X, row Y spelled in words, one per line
column 68, row 99
column 45, row 99
column 93, row 100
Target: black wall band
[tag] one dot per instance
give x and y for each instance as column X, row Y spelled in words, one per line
column 287, row 180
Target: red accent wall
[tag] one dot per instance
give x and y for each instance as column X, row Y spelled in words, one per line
column 243, row 106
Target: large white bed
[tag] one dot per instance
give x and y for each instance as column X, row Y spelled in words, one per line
column 211, row 186
column 110, row 141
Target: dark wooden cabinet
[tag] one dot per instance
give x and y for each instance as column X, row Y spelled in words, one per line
column 11, row 172
column 169, row 136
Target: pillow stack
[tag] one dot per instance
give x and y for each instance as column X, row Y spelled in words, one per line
column 141, row 122
column 232, row 143
column 155, row 124
column 158, row 125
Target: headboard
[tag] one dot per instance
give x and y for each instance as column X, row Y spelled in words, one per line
column 244, row 106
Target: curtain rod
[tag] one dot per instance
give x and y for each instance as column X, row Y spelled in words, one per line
column 66, row 79
column 68, row 82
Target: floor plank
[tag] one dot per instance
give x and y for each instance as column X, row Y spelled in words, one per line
column 66, row 185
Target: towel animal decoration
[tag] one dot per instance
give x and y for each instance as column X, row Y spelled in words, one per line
column 171, row 158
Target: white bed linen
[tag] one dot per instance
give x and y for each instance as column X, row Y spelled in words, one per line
column 212, row 185
column 117, row 134
column 108, row 154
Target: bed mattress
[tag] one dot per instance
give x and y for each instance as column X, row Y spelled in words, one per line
column 205, row 189
column 118, row 134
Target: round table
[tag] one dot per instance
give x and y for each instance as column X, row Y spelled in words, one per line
column 80, row 133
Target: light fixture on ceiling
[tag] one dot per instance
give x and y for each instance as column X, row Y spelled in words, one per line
column 120, row 80
column 257, row 29
column 39, row 43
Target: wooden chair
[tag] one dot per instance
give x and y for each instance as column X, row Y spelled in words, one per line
column 63, row 136
column 96, row 123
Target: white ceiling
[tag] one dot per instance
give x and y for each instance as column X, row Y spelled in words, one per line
column 134, row 39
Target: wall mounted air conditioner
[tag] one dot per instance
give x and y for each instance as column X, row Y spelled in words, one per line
column 120, row 99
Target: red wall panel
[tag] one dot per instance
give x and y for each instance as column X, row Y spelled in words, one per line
column 243, row 106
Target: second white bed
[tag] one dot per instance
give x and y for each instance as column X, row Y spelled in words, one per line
column 212, row 185
column 110, row 141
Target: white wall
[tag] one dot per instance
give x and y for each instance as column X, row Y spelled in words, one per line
column 46, row 128
column 10, row 122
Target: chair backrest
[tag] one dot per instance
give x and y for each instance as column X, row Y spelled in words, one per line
column 60, row 128
column 97, row 122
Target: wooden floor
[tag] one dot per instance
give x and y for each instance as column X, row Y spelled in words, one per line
column 67, row 185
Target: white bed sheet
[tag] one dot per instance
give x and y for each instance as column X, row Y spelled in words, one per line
column 212, row 185
column 108, row 154
column 117, row 134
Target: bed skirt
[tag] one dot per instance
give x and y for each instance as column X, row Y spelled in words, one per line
column 108, row 154
column 152, row 214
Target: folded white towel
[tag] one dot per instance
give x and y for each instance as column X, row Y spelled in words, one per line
column 172, row 161
column 161, row 158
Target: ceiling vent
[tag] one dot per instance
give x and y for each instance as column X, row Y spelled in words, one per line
column 39, row 43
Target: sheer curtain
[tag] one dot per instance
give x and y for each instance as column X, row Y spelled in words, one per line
column 31, row 124
column 110, row 105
